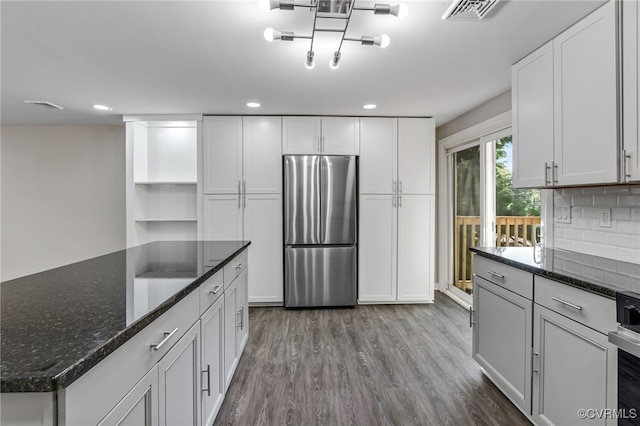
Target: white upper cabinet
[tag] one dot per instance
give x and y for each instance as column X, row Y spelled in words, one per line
column 565, row 107
column 378, row 155
column 532, row 109
column 262, row 155
column 320, row 135
column 631, row 89
column 586, row 102
column 222, row 155
column 416, row 156
column 340, row 136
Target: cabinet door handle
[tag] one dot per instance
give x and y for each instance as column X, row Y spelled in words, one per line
column 239, row 266
column 535, row 361
column 394, row 185
column 547, row 182
column 399, row 200
column 555, row 173
column 471, row 312
column 216, row 289
column 569, row 304
column 241, row 323
column 393, row 201
column 626, row 157
column 239, row 195
column 167, row 336
column 208, row 371
column 495, row 274
column 400, row 187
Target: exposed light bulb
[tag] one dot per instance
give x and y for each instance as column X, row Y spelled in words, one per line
column 400, row 10
column 268, row 34
column 310, row 63
column 382, row 41
column 334, row 63
column 265, row 5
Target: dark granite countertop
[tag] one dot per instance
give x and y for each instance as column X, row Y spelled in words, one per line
column 596, row 274
column 57, row 324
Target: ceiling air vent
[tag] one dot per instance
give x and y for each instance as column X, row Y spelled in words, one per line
column 469, row 9
column 43, row 104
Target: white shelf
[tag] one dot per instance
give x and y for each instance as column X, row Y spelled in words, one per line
column 167, row 219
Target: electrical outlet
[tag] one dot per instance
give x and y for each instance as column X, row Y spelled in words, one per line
column 605, row 218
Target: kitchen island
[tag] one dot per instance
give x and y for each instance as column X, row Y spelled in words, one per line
column 77, row 339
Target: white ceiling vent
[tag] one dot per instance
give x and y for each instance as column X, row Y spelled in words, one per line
column 468, row 9
column 43, row 104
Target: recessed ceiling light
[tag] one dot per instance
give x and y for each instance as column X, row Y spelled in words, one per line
column 369, row 106
column 102, row 107
column 253, row 105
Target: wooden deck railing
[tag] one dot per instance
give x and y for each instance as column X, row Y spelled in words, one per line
column 510, row 231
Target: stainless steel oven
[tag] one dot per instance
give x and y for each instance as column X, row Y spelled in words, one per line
column 627, row 339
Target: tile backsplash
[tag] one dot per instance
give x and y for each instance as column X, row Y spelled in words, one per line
column 584, row 234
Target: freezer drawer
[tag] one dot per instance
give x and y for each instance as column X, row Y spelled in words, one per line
column 320, row 276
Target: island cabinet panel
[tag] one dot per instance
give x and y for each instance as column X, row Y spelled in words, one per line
column 139, row 407
column 179, row 388
column 212, row 337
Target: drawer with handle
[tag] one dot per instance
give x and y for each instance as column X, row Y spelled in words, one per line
column 592, row 310
column 211, row 290
column 516, row 280
column 233, row 268
column 121, row 370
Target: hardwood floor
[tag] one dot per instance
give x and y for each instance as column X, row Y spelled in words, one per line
column 370, row 365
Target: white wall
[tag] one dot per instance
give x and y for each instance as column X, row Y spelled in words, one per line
column 62, row 195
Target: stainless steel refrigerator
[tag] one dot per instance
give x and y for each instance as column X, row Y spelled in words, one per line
column 320, row 230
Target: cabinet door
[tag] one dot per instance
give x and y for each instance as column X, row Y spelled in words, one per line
column 230, row 334
column 416, row 156
column 263, row 227
column 340, row 136
column 585, row 96
column 378, row 155
column 222, row 155
column 212, row 334
column 242, row 312
column 139, row 407
column 223, row 217
column 532, row 115
column 377, row 248
column 502, row 339
column 631, row 87
column 179, row 381
column 415, row 248
column 301, row 135
column 262, row 155
column 577, row 369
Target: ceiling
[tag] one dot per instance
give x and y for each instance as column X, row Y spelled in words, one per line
column 169, row 57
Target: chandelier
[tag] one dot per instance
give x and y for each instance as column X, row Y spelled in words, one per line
column 324, row 10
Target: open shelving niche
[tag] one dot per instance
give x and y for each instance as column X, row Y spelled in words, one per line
column 163, row 202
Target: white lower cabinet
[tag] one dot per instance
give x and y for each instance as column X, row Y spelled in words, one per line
column 212, row 356
column 179, row 381
column 236, row 324
column 502, row 339
column 575, row 368
column 139, row 406
column 395, row 248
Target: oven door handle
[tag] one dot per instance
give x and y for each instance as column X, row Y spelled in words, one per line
column 626, row 341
